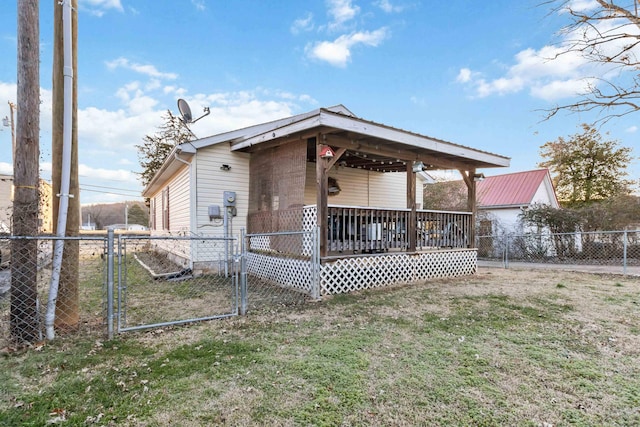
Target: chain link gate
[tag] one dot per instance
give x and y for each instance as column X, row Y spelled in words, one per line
column 279, row 270
column 163, row 281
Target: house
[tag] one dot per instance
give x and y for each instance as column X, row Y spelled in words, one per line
column 502, row 198
column 356, row 182
column 45, row 215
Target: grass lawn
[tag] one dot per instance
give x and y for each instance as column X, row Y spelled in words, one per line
column 501, row 348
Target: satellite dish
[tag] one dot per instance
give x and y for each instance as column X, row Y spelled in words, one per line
column 185, row 111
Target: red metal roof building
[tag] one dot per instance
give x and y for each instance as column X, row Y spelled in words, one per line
column 519, row 189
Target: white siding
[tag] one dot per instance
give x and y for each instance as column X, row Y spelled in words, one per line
column 212, row 182
column 364, row 188
column 179, row 197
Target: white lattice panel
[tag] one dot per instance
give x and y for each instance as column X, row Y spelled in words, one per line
column 352, row 274
column 309, row 223
column 260, row 243
column 286, row 272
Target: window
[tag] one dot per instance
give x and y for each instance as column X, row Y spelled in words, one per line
column 152, row 208
column 165, row 209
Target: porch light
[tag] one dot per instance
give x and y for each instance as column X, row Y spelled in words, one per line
column 478, row 177
column 326, row 152
column 418, row 166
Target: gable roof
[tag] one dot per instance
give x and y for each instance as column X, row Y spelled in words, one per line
column 392, row 147
column 513, row 189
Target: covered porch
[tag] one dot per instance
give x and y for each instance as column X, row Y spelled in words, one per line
column 377, row 234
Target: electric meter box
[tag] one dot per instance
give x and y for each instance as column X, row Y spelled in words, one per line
column 229, row 198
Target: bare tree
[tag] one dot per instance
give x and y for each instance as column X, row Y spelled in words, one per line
column 606, row 35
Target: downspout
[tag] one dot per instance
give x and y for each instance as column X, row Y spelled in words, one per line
column 64, row 195
column 181, row 160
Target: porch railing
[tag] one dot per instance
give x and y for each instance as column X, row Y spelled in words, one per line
column 366, row 229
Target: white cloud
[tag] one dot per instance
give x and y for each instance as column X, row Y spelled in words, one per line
column 99, row 7
column 554, row 72
column 341, row 11
column 464, row 76
column 303, row 24
column 338, row 52
column 108, row 137
column 387, row 7
column 148, row 70
column 559, row 89
column 631, row 129
column 199, row 4
column 581, row 5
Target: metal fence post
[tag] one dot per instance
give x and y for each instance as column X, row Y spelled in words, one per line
column 316, row 264
column 110, row 283
column 243, row 273
column 624, row 252
column 506, row 251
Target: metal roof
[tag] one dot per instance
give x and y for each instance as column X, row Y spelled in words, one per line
column 513, row 189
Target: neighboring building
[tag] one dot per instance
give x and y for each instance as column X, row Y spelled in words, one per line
column 502, row 198
column 45, row 216
column 358, row 181
column 6, row 202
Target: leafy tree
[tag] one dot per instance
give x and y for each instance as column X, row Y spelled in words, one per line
column 136, row 215
column 606, row 35
column 445, row 195
column 155, row 148
column 616, row 213
column 585, row 168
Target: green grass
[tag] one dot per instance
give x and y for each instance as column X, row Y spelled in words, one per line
column 492, row 350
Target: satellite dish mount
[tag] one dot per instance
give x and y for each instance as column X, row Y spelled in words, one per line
column 185, row 112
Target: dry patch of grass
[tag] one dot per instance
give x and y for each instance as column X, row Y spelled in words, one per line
column 503, row 347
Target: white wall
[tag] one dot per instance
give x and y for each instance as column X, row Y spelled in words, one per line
column 179, row 196
column 212, row 182
column 364, row 188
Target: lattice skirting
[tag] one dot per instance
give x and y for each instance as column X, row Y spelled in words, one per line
column 352, row 274
column 286, row 272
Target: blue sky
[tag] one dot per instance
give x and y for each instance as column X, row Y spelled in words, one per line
column 468, row 72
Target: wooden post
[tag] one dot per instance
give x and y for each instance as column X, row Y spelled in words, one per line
column 24, row 319
column 67, row 306
column 411, row 204
column 469, row 179
column 322, row 188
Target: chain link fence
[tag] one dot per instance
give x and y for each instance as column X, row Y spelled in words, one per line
column 172, row 280
column 129, row 282
column 280, row 270
column 611, row 251
column 25, row 282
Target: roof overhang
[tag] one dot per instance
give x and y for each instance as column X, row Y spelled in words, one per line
column 360, row 136
column 180, row 155
column 366, row 144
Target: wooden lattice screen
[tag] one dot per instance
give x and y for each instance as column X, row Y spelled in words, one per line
column 276, row 192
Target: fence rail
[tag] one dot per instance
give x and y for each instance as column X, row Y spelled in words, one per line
column 620, row 249
column 131, row 282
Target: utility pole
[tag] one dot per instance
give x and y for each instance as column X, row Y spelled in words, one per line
column 24, row 320
column 67, row 304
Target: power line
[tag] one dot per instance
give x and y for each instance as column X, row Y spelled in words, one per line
column 108, row 188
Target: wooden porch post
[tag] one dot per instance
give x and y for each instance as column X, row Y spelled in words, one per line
column 469, row 179
column 411, row 204
column 322, row 191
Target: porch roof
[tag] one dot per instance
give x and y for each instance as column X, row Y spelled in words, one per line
column 387, row 148
column 369, row 145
